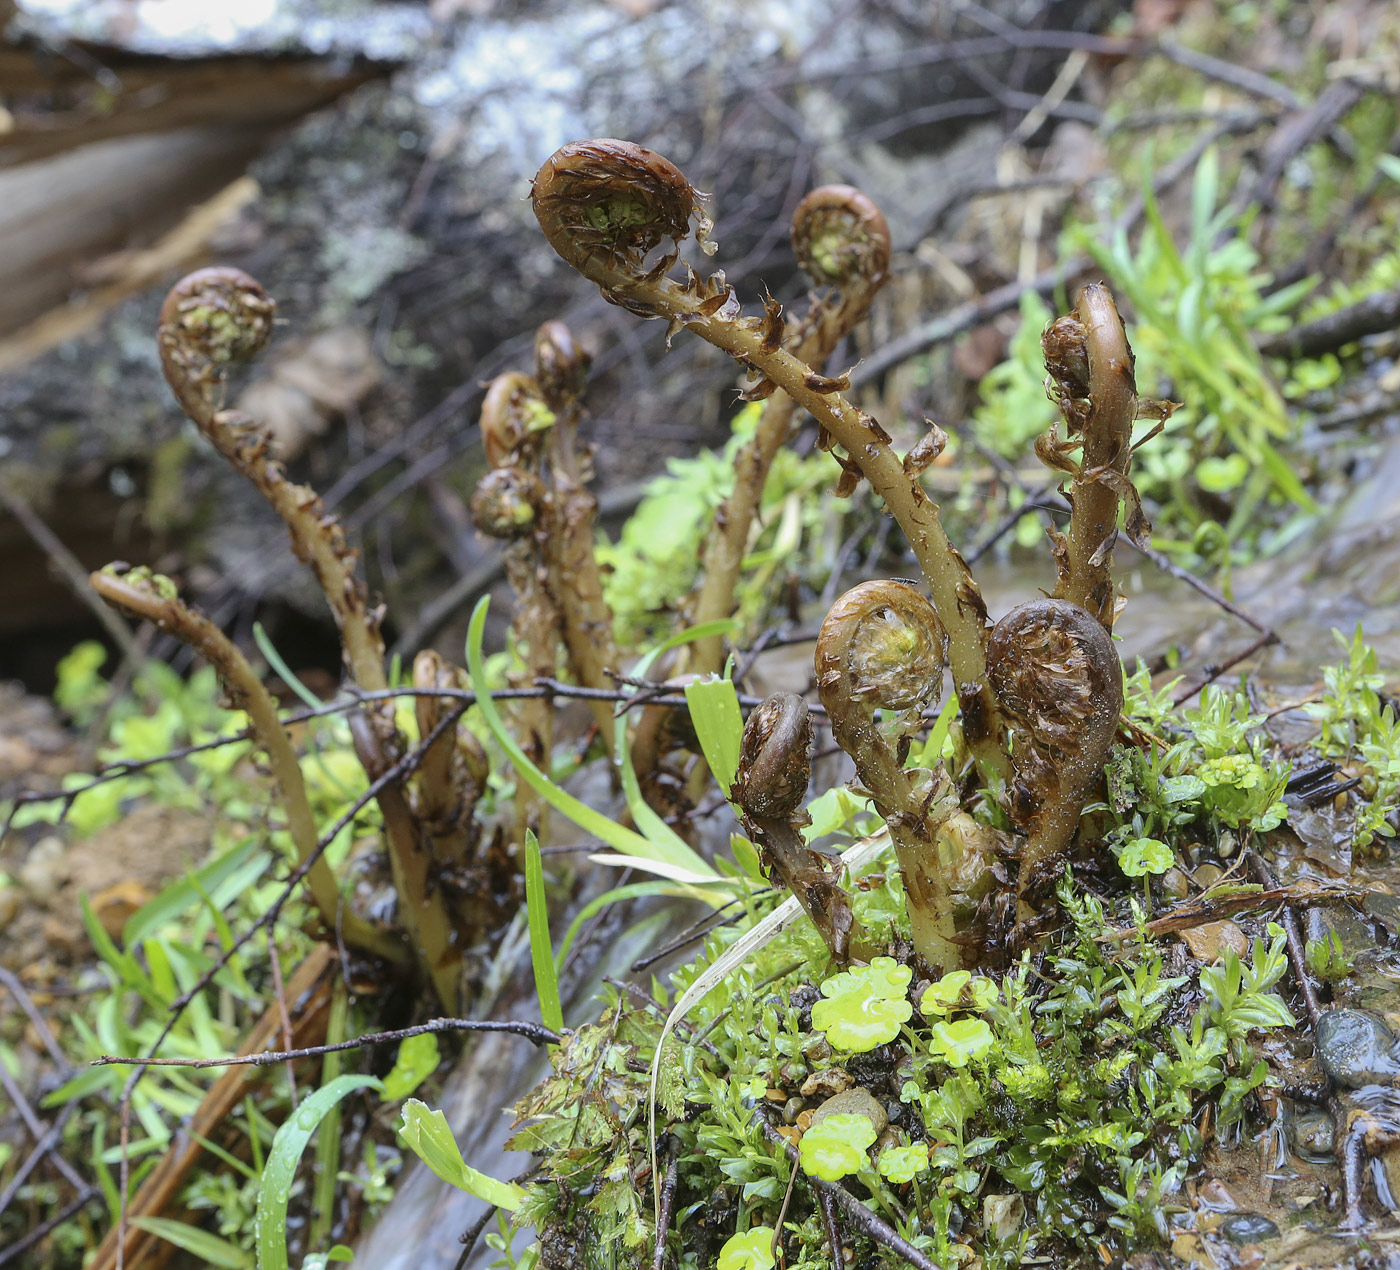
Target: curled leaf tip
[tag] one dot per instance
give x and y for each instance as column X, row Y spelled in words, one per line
column 605, row 205
column 507, row 502
column 839, row 235
column 881, row 643
column 513, row 415
column 213, row 317
column 775, row 758
column 561, row 365
column 1057, row 675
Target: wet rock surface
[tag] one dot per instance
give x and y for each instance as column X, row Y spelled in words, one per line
column 1312, row 1135
column 1356, row 1049
column 1248, row 1228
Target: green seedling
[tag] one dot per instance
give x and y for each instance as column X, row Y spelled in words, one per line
column 836, row 1147
column 1328, row 958
column 753, row 1250
column 864, row 1007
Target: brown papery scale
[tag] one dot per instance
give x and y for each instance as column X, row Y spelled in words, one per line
column 1060, row 682
column 881, row 648
column 775, row 766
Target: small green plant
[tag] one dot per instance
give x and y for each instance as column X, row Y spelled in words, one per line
column 864, row 1007
column 1355, row 726
column 1328, row 958
column 1196, row 310
column 750, row 1251
column 836, row 1146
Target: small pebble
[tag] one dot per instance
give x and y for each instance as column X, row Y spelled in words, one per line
column 854, row 1102
column 828, row 1083
column 39, row 874
column 1312, row 1135
column 1248, row 1228
column 1207, row 875
column 1356, row 1049
column 1214, row 1196
column 1175, row 884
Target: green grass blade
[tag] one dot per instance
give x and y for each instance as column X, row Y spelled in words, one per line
column 329, row 1135
column 270, row 1223
column 184, row 894
column 541, row 952
column 616, row 836
column 274, row 659
column 208, row 1248
column 634, row 890
column 677, row 850
column 719, row 724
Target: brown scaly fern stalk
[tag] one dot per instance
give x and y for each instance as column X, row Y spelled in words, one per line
column 452, row 775
column 775, row 767
column 842, row 242
column 1090, row 378
column 881, row 648
column 1057, row 674
column 211, row 319
column 561, row 371
column 510, row 503
column 606, row 206
column 151, row 597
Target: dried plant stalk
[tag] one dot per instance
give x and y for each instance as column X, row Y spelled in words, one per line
column 842, row 241
column 606, row 206
column 151, row 597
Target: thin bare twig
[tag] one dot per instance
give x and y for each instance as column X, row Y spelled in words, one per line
column 669, row 1186
column 536, row 1033
column 36, row 1127
column 1214, row 672
column 868, row 1223
column 74, row 574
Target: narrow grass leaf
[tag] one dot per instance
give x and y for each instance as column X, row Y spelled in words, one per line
column 274, row 659
column 270, row 1223
column 541, row 951
column 585, row 817
column 200, row 1243
column 184, row 894
column 719, row 725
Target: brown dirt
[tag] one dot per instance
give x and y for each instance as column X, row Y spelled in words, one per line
column 119, row 869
